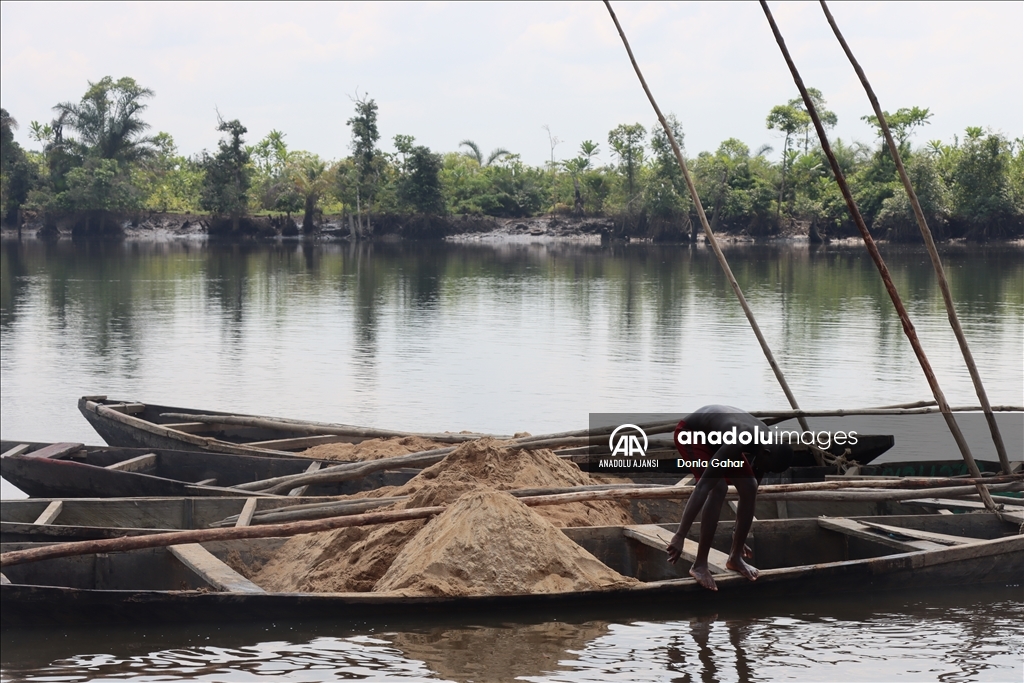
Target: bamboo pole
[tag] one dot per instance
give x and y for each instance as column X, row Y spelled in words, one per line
column 924, row 410
column 908, row 327
column 319, row 428
column 926, row 234
column 127, row 543
column 358, row 505
column 711, row 239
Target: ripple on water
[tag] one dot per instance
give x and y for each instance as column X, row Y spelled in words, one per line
column 976, row 636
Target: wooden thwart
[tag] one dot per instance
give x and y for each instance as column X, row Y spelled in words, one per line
column 248, row 510
column 50, row 513
column 17, row 450
column 299, row 490
column 212, row 570
column 656, row 537
column 54, row 450
column 136, row 464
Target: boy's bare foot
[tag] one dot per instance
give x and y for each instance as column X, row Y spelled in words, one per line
column 703, row 576
column 738, row 565
column 748, row 554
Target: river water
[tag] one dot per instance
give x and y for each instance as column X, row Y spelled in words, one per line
column 505, row 337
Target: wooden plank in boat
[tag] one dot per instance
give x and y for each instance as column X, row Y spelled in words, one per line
column 128, row 408
column 4, row 579
column 856, row 529
column 191, row 427
column 212, row 570
column 299, row 442
column 207, row 482
column 943, row 539
column 1012, row 513
column 136, row 464
column 299, row 490
column 248, row 510
column 50, row 513
column 656, row 537
column 54, row 450
column 17, row 450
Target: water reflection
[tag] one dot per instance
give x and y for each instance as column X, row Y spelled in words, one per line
column 955, row 635
column 476, row 336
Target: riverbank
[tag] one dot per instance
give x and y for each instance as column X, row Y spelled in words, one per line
column 389, row 228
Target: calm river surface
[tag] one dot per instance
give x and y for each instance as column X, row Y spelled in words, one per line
column 509, row 337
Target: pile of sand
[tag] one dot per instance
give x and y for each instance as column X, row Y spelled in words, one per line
column 354, row 559
column 490, row 543
column 373, row 449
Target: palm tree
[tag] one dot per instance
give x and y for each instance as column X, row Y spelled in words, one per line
column 476, row 155
column 309, row 175
column 107, row 120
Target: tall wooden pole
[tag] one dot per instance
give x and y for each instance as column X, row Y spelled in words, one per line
column 869, row 242
column 926, row 233
column 711, row 239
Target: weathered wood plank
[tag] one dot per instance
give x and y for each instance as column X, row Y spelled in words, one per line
column 300, row 442
column 951, row 504
column 212, row 570
column 299, row 490
column 248, row 510
column 54, row 450
column 943, row 539
column 190, row 427
column 657, row 537
column 858, row 530
column 136, row 464
column 50, row 513
column 17, row 450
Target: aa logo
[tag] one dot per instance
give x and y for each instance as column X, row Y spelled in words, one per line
column 625, row 441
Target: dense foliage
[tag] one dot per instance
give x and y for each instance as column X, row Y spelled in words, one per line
column 95, row 160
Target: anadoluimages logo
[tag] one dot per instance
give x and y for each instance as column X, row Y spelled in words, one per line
column 628, row 442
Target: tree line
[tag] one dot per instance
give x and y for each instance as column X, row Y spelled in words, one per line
column 96, row 164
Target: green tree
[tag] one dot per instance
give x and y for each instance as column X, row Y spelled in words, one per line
column 107, row 120
column 364, row 152
column 826, row 116
column 309, row 176
column 420, row 185
column 789, row 120
column 271, row 180
column 627, row 143
column 980, row 189
column 16, row 171
column 902, row 123
column 226, row 184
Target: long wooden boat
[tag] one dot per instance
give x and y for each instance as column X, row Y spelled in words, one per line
column 131, row 424
column 71, row 470
column 806, row 556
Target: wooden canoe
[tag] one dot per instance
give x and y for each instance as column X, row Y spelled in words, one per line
column 805, row 556
column 74, row 519
column 130, row 424
column 68, row 470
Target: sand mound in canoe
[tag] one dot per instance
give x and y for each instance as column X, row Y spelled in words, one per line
column 490, row 543
column 354, row 559
column 373, row 449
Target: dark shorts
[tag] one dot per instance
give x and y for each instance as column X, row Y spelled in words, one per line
column 704, row 452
